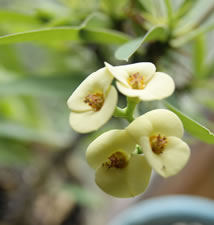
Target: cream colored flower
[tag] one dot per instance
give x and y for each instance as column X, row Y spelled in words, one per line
column 140, row 80
column 119, row 172
column 159, row 133
column 93, row 102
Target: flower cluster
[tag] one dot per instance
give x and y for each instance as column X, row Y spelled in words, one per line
column 123, row 159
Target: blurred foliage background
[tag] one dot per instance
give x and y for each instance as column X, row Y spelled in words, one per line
column 47, row 47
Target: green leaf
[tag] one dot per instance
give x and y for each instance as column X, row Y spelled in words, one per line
column 184, row 9
column 199, row 55
column 198, row 14
column 103, row 36
column 204, row 28
column 125, row 51
column 17, row 17
column 54, row 86
column 43, row 35
column 194, row 128
column 66, row 34
column 77, row 33
column 169, row 13
column 178, row 42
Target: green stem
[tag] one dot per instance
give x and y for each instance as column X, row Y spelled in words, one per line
column 119, row 112
column 131, row 105
column 139, row 149
column 127, row 113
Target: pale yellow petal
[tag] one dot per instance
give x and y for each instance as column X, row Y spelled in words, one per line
column 107, row 144
column 139, row 173
column 160, row 86
column 159, row 121
column 120, row 74
column 171, row 161
column 133, row 93
column 125, row 182
column 98, row 81
column 141, row 126
column 165, row 122
column 145, row 69
column 84, row 122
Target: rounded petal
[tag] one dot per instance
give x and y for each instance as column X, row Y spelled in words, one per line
column 98, row 81
column 171, row 160
column 160, row 86
column 84, row 122
column 159, row 121
column 107, row 144
column 126, row 182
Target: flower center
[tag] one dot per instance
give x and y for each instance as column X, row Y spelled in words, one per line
column 136, row 81
column 117, row 160
column 158, row 143
column 95, row 101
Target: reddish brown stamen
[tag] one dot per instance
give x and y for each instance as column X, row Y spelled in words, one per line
column 117, row 160
column 95, row 101
column 136, row 81
column 158, row 143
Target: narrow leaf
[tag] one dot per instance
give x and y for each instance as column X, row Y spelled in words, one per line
column 77, row 33
column 17, row 17
column 191, row 126
column 199, row 55
column 103, row 36
column 43, row 35
column 125, row 51
column 178, row 42
column 198, row 14
column 169, row 13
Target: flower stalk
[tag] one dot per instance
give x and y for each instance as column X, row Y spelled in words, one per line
column 128, row 111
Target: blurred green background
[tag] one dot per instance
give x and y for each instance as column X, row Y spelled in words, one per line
column 47, row 47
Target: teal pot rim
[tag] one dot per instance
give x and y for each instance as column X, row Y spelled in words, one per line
column 167, row 210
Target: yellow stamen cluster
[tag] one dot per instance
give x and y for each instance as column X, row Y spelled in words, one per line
column 95, row 101
column 158, row 143
column 136, row 81
column 117, row 160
